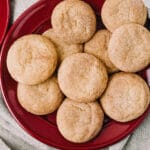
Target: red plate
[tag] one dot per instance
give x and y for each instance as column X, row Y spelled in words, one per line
column 4, row 18
column 36, row 20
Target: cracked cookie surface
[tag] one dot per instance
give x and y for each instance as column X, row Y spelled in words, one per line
column 118, row 12
column 74, row 21
column 98, row 46
column 40, row 99
column 63, row 49
column 126, row 98
column 129, row 48
column 31, row 59
column 79, row 122
column 82, row 77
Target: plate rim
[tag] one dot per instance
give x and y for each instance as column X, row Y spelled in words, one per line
column 5, row 20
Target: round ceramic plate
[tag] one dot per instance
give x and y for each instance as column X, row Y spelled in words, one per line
column 36, row 20
column 4, row 18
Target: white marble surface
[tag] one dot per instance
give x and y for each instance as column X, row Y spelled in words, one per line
column 15, row 138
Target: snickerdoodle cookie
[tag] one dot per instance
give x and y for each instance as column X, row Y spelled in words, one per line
column 118, row 12
column 32, row 59
column 74, row 21
column 63, row 50
column 129, row 48
column 79, row 122
column 42, row 98
column 126, row 97
column 98, row 46
column 82, row 77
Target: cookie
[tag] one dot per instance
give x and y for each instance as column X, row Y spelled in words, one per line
column 31, row 59
column 129, row 48
column 79, row 122
column 63, row 50
column 82, row 77
column 98, row 46
column 40, row 99
column 126, row 97
column 74, row 21
column 119, row 12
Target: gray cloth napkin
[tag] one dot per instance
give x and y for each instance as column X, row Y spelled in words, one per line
column 15, row 138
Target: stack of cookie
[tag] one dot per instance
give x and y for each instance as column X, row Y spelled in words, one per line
column 31, row 61
column 53, row 66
